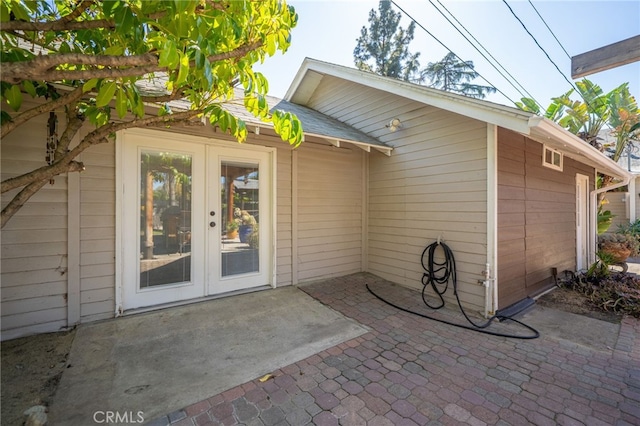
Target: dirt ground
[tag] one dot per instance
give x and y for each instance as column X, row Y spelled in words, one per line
column 32, row 366
column 31, row 369
column 568, row 300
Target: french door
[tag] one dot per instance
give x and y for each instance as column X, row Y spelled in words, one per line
column 197, row 219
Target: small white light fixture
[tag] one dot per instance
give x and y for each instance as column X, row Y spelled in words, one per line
column 394, row 125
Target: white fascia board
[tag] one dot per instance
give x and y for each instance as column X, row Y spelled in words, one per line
column 555, row 136
column 508, row 117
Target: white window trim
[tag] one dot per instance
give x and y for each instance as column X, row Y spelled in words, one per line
column 552, row 165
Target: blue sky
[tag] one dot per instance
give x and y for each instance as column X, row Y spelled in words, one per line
column 327, row 30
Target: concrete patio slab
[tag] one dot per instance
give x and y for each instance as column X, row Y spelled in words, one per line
column 158, row 362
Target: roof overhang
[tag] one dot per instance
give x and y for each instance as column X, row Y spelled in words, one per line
column 537, row 128
column 312, row 72
column 555, row 136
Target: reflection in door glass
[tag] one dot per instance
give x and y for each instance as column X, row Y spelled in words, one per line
column 165, row 218
column 239, row 183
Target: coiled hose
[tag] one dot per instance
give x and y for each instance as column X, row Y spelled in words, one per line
column 437, row 276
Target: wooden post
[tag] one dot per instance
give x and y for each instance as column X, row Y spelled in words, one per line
column 607, row 57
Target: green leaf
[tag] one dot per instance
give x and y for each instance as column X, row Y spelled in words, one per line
column 124, row 19
column 121, row 102
column 29, row 88
column 90, row 85
column 4, row 117
column 117, row 50
column 169, row 55
column 20, row 11
column 109, row 6
column 105, row 94
column 13, row 96
column 183, row 71
column 271, row 44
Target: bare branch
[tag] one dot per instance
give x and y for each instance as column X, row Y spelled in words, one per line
column 82, row 6
column 43, row 173
column 140, row 65
column 74, row 123
column 59, row 25
column 27, row 115
column 38, row 67
column 66, row 164
column 217, row 5
column 18, row 201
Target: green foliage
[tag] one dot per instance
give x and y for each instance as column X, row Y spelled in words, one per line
column 383, row 47
column 594, row 110
column 605, row 218
column 202, row 50
column 107, row 62
column 453, row 75
column 600, row 268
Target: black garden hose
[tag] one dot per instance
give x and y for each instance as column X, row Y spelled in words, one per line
column 437, row 276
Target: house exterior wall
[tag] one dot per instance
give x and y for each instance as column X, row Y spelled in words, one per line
column 536, row 217
column 34, row 243
column 617, row 204
column 433, row 185
column 58, row 251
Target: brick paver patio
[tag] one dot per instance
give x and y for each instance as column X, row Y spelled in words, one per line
column 413, row 371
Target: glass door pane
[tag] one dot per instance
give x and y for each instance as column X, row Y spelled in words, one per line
column 165, row 218
column 239, row 198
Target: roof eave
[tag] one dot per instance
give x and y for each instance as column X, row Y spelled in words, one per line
column 386, row 150
column 555, row 136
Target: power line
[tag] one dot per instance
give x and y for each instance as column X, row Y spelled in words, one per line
column 545, row 24
column 538, row 44
column 443, row 45
column 555, row 65
column 482, row 54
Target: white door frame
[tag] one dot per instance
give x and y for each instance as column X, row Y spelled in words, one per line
column 203, row 147
column 582, row 221
column 216, row 283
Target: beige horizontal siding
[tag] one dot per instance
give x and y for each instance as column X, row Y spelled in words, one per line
column 34, row 242
column 433, row 184
column 329, row 212
column 617, row 204
column 97, row 233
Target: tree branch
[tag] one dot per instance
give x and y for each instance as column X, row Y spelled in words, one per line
column 66, row 164
column 18, row 201
column 74, row 123
column 82, row 6
column 38, row 67
column 59, row 25
column 27, row 115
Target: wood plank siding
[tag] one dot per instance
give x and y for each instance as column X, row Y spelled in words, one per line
column 329, row 212
column 34, row 243
column 536, row 217
column 320, row 194
column 433, row 184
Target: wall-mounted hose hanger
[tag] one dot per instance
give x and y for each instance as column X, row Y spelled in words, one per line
column 436, row 277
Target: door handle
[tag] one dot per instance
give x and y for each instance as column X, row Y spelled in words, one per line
column 212, row 213
column 212, row 224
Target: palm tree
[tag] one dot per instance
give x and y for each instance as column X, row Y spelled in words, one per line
column 453, row 75
column 596, row 109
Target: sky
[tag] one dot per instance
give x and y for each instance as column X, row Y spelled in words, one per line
column 328, row 30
